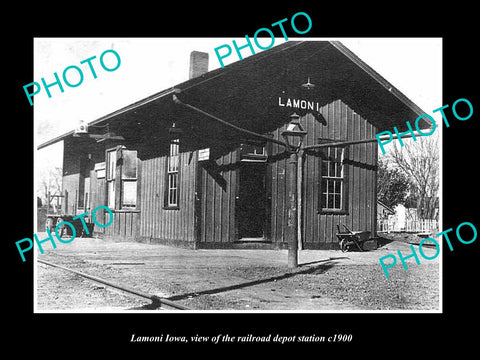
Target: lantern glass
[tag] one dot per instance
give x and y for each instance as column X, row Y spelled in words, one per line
column 293, row 140
column 294, row 134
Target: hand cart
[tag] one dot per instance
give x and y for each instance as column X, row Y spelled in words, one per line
column 351, row 239
column 58, row 216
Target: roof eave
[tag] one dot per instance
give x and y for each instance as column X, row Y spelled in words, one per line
column 253, row 59
column 125, row 109
column 377, row 77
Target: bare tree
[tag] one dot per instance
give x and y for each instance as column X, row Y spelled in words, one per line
column 419, row 160
column 49, row 180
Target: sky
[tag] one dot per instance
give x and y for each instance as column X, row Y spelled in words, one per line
column 150, row 65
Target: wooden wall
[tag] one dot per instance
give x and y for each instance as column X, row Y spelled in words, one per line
column 156, row 222
column 218, row 184
column 70, row 187
column 206, row 215
column 124, row 226
column 318, row 228
column 71, row 177
column 216, row 212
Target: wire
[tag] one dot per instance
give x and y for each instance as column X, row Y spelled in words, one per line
column 226, row 123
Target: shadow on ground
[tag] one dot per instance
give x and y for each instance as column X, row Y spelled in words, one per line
column 316, row 269
column 312, row 268
column 382, row 241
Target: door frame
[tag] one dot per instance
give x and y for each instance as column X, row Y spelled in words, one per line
column 267, row 198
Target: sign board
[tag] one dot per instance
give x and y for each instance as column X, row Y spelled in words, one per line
column 101, row 174
column 204, row 154
column 100, row 169
column 299, row 104
column 99, row 166
column 302, row 100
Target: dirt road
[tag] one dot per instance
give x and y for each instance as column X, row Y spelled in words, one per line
column 233, row 279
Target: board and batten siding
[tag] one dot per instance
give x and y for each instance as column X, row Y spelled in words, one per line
column 158, row 223
column 206, row 215
column 318, row 228
column 218, row 183
column 125, row 222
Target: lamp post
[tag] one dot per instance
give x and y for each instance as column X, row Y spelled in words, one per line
column 293, row 135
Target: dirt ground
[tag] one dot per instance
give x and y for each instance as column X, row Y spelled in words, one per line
column 326, row 280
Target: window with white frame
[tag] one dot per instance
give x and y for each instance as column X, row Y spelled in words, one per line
column 111, row 165
column 129, row 179
column 332, row 191
column 121, row 178
column 253, row 151
column 172, row 180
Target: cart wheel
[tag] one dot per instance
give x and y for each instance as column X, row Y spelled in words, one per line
column 61, row 228
column 343, row 246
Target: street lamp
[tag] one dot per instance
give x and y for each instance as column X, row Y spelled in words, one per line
column 293, row 135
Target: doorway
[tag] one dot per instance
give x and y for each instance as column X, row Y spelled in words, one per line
column 251, row 203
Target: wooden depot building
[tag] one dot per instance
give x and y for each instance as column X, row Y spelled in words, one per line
column 204, row 165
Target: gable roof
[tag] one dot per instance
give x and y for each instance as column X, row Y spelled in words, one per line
column 388, row 208
column 246, row 92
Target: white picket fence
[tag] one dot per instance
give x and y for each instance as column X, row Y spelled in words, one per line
column 392, row 225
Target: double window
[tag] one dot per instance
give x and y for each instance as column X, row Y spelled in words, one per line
column 333, row 179
column 121, row 178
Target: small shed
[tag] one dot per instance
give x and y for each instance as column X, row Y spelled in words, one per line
column 179, row 168
column 384, row 211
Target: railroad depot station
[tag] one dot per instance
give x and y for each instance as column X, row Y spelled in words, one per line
column 208, row 163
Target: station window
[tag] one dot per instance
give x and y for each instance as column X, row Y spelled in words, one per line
column 129, row 179
column 172, row 187
column 253, row 152
column 111, row 164
column 333, row 179
column 121, row 178
column 84, row 184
